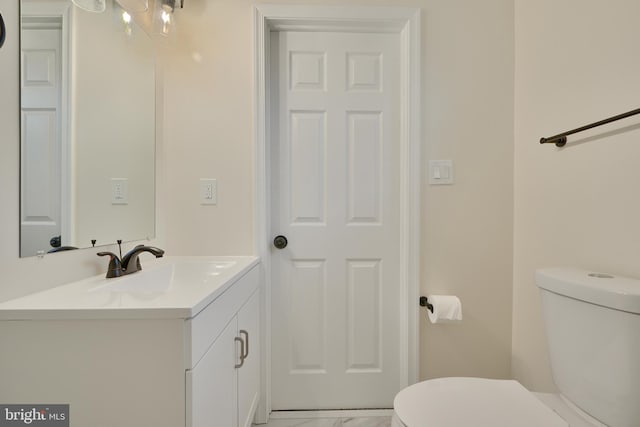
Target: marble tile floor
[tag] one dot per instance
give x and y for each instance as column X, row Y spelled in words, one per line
column 330, row 422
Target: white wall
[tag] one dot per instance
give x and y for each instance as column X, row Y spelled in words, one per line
column 576, row 62
column 468, row 62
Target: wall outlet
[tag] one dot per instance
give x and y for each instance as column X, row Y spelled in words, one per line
column 208, row 191
column 119, row 191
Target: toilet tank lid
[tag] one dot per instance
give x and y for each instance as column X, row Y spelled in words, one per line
column 616, row 292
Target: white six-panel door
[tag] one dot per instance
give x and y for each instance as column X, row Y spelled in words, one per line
column 335, row 196
column 41, row 137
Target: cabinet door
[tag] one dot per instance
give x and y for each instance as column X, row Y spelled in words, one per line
column 249, row 373
column 212, row 384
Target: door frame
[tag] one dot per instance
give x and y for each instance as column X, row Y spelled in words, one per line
column 400, row 20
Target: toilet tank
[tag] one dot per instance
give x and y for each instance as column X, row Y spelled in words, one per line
column 592, row 322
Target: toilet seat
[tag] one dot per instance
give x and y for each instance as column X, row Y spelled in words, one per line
column 472, row 402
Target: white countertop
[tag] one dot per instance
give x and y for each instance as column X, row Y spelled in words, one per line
column 167, row 288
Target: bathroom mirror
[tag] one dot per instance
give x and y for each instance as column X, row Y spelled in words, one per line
column 87, row 127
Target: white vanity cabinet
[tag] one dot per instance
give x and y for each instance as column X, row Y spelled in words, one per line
column 186, row 354
column 223, row 387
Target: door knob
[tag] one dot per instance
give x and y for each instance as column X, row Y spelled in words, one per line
column 280, row 242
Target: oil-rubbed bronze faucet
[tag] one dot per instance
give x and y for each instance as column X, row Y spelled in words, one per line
column 130, row 262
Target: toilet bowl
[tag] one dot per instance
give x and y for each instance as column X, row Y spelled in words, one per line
column 592, row 322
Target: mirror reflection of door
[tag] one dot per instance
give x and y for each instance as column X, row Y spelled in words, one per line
column 43, row 110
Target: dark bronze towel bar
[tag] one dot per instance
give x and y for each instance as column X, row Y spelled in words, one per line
column 561, row 139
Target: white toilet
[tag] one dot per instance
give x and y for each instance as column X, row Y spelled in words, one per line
column 593, row 328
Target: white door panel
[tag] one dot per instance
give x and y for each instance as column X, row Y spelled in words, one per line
column 41, row 138
column 335, row 196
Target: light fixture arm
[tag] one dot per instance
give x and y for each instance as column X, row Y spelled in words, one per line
column 94, row 6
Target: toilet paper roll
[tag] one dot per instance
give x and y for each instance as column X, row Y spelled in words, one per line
column 446, row 308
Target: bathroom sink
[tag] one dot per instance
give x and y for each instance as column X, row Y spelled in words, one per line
column 168, row 287
column 163, row 277
column 155, row 280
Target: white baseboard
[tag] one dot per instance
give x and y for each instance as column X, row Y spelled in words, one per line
column 348, row 413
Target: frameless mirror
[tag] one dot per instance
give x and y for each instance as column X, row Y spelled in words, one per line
column 87, row 127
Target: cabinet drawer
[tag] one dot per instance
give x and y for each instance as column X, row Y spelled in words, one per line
column 205, row 327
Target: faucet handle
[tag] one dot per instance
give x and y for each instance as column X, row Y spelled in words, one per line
column 115, row 266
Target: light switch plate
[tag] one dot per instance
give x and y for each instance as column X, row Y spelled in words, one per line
column 440, row 172
column 208, row 191
column 119, row 191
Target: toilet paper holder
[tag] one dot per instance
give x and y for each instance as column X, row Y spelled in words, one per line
column 424, row 302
